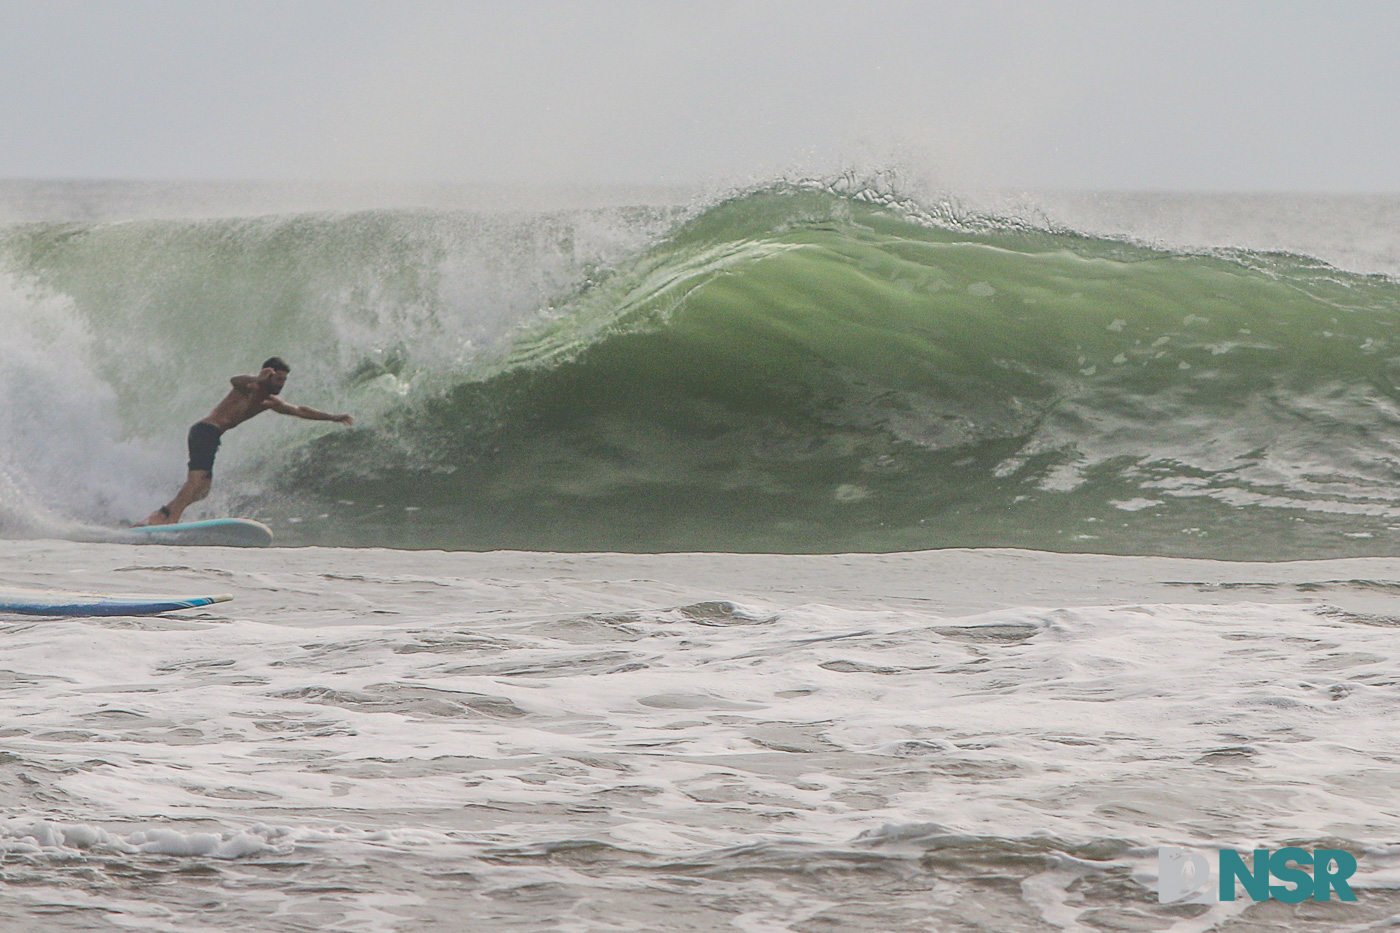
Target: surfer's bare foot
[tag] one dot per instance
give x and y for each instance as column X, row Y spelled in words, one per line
column 160, row 516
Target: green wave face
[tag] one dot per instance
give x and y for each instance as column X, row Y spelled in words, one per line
column 803, row 371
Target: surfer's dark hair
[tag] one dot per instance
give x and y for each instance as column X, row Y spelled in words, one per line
column 277, row 363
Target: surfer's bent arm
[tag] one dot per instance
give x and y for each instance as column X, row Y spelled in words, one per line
column 306, row 411
column 247, row 384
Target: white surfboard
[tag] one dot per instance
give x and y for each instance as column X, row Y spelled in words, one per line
column 224, row 532
column 21, row 601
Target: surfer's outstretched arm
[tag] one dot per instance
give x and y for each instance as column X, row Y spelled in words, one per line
column 306, row 411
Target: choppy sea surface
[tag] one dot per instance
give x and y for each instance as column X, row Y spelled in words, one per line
column 813, row 557
column 371, row 740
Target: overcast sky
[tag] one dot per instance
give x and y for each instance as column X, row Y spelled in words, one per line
column 1226, row 95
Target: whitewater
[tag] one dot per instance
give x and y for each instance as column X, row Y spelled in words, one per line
column 817, row 556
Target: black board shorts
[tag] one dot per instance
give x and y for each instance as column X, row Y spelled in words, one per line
column 204, row 443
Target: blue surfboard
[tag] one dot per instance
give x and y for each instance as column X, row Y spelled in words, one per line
column 63, row 603
column 218, row 532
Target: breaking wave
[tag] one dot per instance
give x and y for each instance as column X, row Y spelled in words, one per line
column 801, row 368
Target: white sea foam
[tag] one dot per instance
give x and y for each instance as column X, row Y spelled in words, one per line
column 27, row 835
column 62, row 457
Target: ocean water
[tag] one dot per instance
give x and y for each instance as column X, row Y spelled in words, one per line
column 813, row 557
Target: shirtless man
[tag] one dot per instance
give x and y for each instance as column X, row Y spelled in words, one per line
column 251, row 396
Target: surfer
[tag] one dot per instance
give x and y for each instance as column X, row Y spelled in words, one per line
column 251, row 395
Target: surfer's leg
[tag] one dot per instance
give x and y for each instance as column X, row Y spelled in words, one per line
column 196, row 487
column 204, row 444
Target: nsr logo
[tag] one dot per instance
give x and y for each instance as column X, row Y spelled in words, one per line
column 1184, row 876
